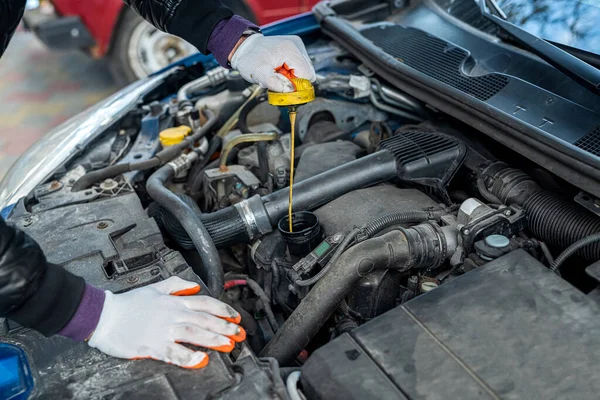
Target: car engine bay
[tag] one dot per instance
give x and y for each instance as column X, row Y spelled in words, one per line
column 397, row 206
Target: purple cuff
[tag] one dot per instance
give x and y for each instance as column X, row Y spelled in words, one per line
column 86, row 318
column 225, row 36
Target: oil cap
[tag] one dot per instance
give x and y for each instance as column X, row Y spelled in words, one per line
column 305, row 93
column 172, row 136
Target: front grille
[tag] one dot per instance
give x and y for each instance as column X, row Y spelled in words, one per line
column 435, row 58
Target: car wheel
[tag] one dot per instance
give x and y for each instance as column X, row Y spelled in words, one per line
column 140, row 49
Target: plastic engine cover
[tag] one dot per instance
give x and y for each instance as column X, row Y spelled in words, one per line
column 510, row 329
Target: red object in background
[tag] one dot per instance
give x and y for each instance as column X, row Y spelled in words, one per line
column 99, row 16
column 102, row 16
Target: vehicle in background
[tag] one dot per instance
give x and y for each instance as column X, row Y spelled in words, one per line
column 133, row 47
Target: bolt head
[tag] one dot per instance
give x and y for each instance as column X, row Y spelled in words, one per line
column 102, row 225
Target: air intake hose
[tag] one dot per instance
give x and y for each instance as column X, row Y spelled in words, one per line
column 557, row 221
column 419, row 247
column 560, row 223
column 256, row 215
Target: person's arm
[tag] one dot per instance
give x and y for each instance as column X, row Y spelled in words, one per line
column 148, row 322
column 33, row 293
column 11, row 12
column 212, row 28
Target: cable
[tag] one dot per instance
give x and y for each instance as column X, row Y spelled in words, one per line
column 546, row 252
column 569, row 251
column 489, row 196
column 339, row 251
column 259, row 292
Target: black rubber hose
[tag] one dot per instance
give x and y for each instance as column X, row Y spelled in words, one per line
column 196, row 175
column 225, row 226
column 580, row 244
column 262, row 151
column 275, row 290
column 560, row 223
column 211, row 271
column 370, row 230
column 160, row 158
column 388, row 251
column 244, row 112
column 399, row 218
column 266, row 303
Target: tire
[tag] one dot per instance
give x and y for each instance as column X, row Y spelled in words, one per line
column 139, row 49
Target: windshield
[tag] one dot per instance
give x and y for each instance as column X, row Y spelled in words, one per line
column 573, row 23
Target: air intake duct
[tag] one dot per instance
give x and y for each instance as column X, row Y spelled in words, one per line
column 425, row 156
column 551, row 218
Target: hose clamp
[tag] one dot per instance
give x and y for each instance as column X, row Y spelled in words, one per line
column 255, row 216
column 183, row 162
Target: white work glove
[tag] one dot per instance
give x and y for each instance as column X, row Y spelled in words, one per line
column 258, row 56
column 150, row 322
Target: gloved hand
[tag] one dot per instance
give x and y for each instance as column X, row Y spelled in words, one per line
column 150, row 322
column 258, row 56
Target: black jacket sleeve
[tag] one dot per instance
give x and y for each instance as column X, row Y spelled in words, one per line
column 192, row 20
column 34, row 293
column 11, row 12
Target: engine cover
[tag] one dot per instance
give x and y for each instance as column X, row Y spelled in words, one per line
column 362, row 206
column 510, row 329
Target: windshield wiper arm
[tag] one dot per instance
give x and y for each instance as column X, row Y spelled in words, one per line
column 576, row 69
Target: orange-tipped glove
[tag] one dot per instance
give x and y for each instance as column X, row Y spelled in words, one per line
column 152, row 321
column 258, row 58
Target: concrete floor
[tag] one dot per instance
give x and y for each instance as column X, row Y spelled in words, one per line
column 41, row 88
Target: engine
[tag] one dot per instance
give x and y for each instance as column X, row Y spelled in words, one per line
column 391, row 200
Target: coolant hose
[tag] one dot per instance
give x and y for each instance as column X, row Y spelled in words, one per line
column 162, row 157
column 212, row 270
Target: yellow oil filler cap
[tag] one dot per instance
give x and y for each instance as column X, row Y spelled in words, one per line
column 172, row 136
column 303, row 93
